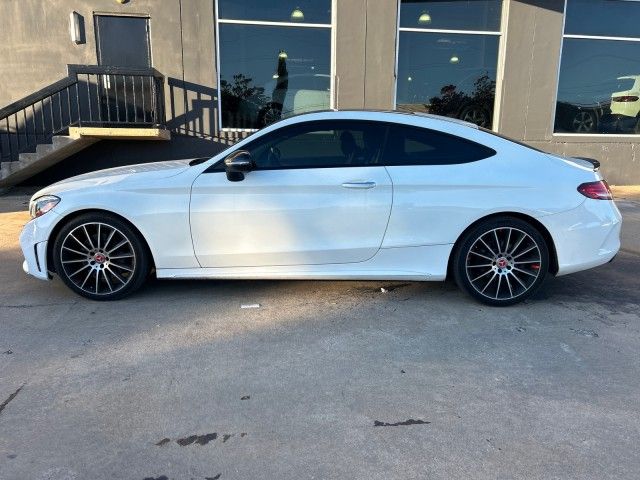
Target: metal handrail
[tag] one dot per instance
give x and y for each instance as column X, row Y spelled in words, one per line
column 91, row 95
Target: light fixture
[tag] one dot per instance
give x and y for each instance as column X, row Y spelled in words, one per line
column 424, row 18
column 283, row 55
column 409, row 79
column 297, row 15
column 454, row 59
column 275, row 75
column 76, row 28
column 122, row 2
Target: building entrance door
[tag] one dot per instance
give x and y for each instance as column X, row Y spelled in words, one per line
column 123, row 41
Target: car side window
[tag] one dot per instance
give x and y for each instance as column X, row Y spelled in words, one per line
column 421, row 146
column 320, row 144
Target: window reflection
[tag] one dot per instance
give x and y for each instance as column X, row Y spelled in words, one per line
column 599, row 87
column 619, row 18
column 452, row 75
column 451, row 14
column 269, row 72
column 298, row 11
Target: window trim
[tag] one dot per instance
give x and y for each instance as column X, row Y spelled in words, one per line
column 383, row 125
column 502, row 33
column 273, row 23
column 219, row 165
column 583, row 137
column 332, row 60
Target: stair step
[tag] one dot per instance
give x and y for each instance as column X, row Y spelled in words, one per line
column 46, row 155
column 60, row 141
column 27, row 158
column 44, row 148
column 6, row 168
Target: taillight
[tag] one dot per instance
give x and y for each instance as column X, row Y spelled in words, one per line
column 597, row 190
column 626, row 98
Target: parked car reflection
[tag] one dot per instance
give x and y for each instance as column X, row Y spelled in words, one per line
column 305, row 93
column 579, row 118
column 476, row 107
column 625, row 107
column 610, row 107
column 250, row 106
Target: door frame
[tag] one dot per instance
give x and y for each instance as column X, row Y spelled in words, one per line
column 144, row 16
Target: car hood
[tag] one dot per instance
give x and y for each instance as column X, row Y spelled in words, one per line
column 144, row 172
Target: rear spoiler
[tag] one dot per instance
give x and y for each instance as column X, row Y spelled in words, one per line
column 592, row 161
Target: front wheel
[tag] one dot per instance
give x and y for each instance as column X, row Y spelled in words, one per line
column 100, row 257
column 501, row 261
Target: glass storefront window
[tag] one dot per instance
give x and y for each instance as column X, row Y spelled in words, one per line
column 599, row 81
column 451, row 74
column 482, row 15
column 296, row 11
column 607, row 18
column 270, row 71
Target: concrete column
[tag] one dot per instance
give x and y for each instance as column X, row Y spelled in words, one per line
column 533, row 37
column 350, row 53
column 381, row 32
column 365, row 53
column 193, row 96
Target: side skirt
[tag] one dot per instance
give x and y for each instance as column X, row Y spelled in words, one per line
column 424, row 263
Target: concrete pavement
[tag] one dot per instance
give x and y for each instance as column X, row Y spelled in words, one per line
column 628, row 201
column 324, row 380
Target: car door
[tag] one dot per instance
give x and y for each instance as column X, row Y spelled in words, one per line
column 316, row 196
column 440, row 185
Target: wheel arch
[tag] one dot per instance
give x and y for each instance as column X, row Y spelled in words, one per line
column 69, row 217
column 553, row 256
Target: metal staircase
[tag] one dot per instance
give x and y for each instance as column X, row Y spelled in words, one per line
column 90, row 104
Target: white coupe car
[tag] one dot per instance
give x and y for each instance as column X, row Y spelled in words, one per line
column 332, row 195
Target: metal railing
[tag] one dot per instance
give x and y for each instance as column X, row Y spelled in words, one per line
column 90, row 96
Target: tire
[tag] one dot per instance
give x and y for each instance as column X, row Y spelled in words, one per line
column 584, row 122
column 476, row 115
column 101, row 257
column 501, row 261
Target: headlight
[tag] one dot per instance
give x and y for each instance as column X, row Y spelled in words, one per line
column 42, row 205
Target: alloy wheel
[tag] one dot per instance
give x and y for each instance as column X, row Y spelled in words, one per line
column 583, row 122
column 98, row 258
column 503, row 263
column 476, row 116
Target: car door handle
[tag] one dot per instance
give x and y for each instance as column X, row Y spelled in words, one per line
column 359, row 184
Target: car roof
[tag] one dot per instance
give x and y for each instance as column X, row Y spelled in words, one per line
column 377, row 115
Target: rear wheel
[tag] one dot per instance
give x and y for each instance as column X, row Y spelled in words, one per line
column 100, row 257
column 501, row 261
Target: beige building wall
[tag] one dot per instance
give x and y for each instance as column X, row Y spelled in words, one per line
column 533, row 38
column 36, row 48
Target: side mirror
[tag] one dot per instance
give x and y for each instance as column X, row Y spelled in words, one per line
column 237, row 164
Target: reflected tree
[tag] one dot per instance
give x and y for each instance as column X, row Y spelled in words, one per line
column 241, row 99
column 476, row 107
